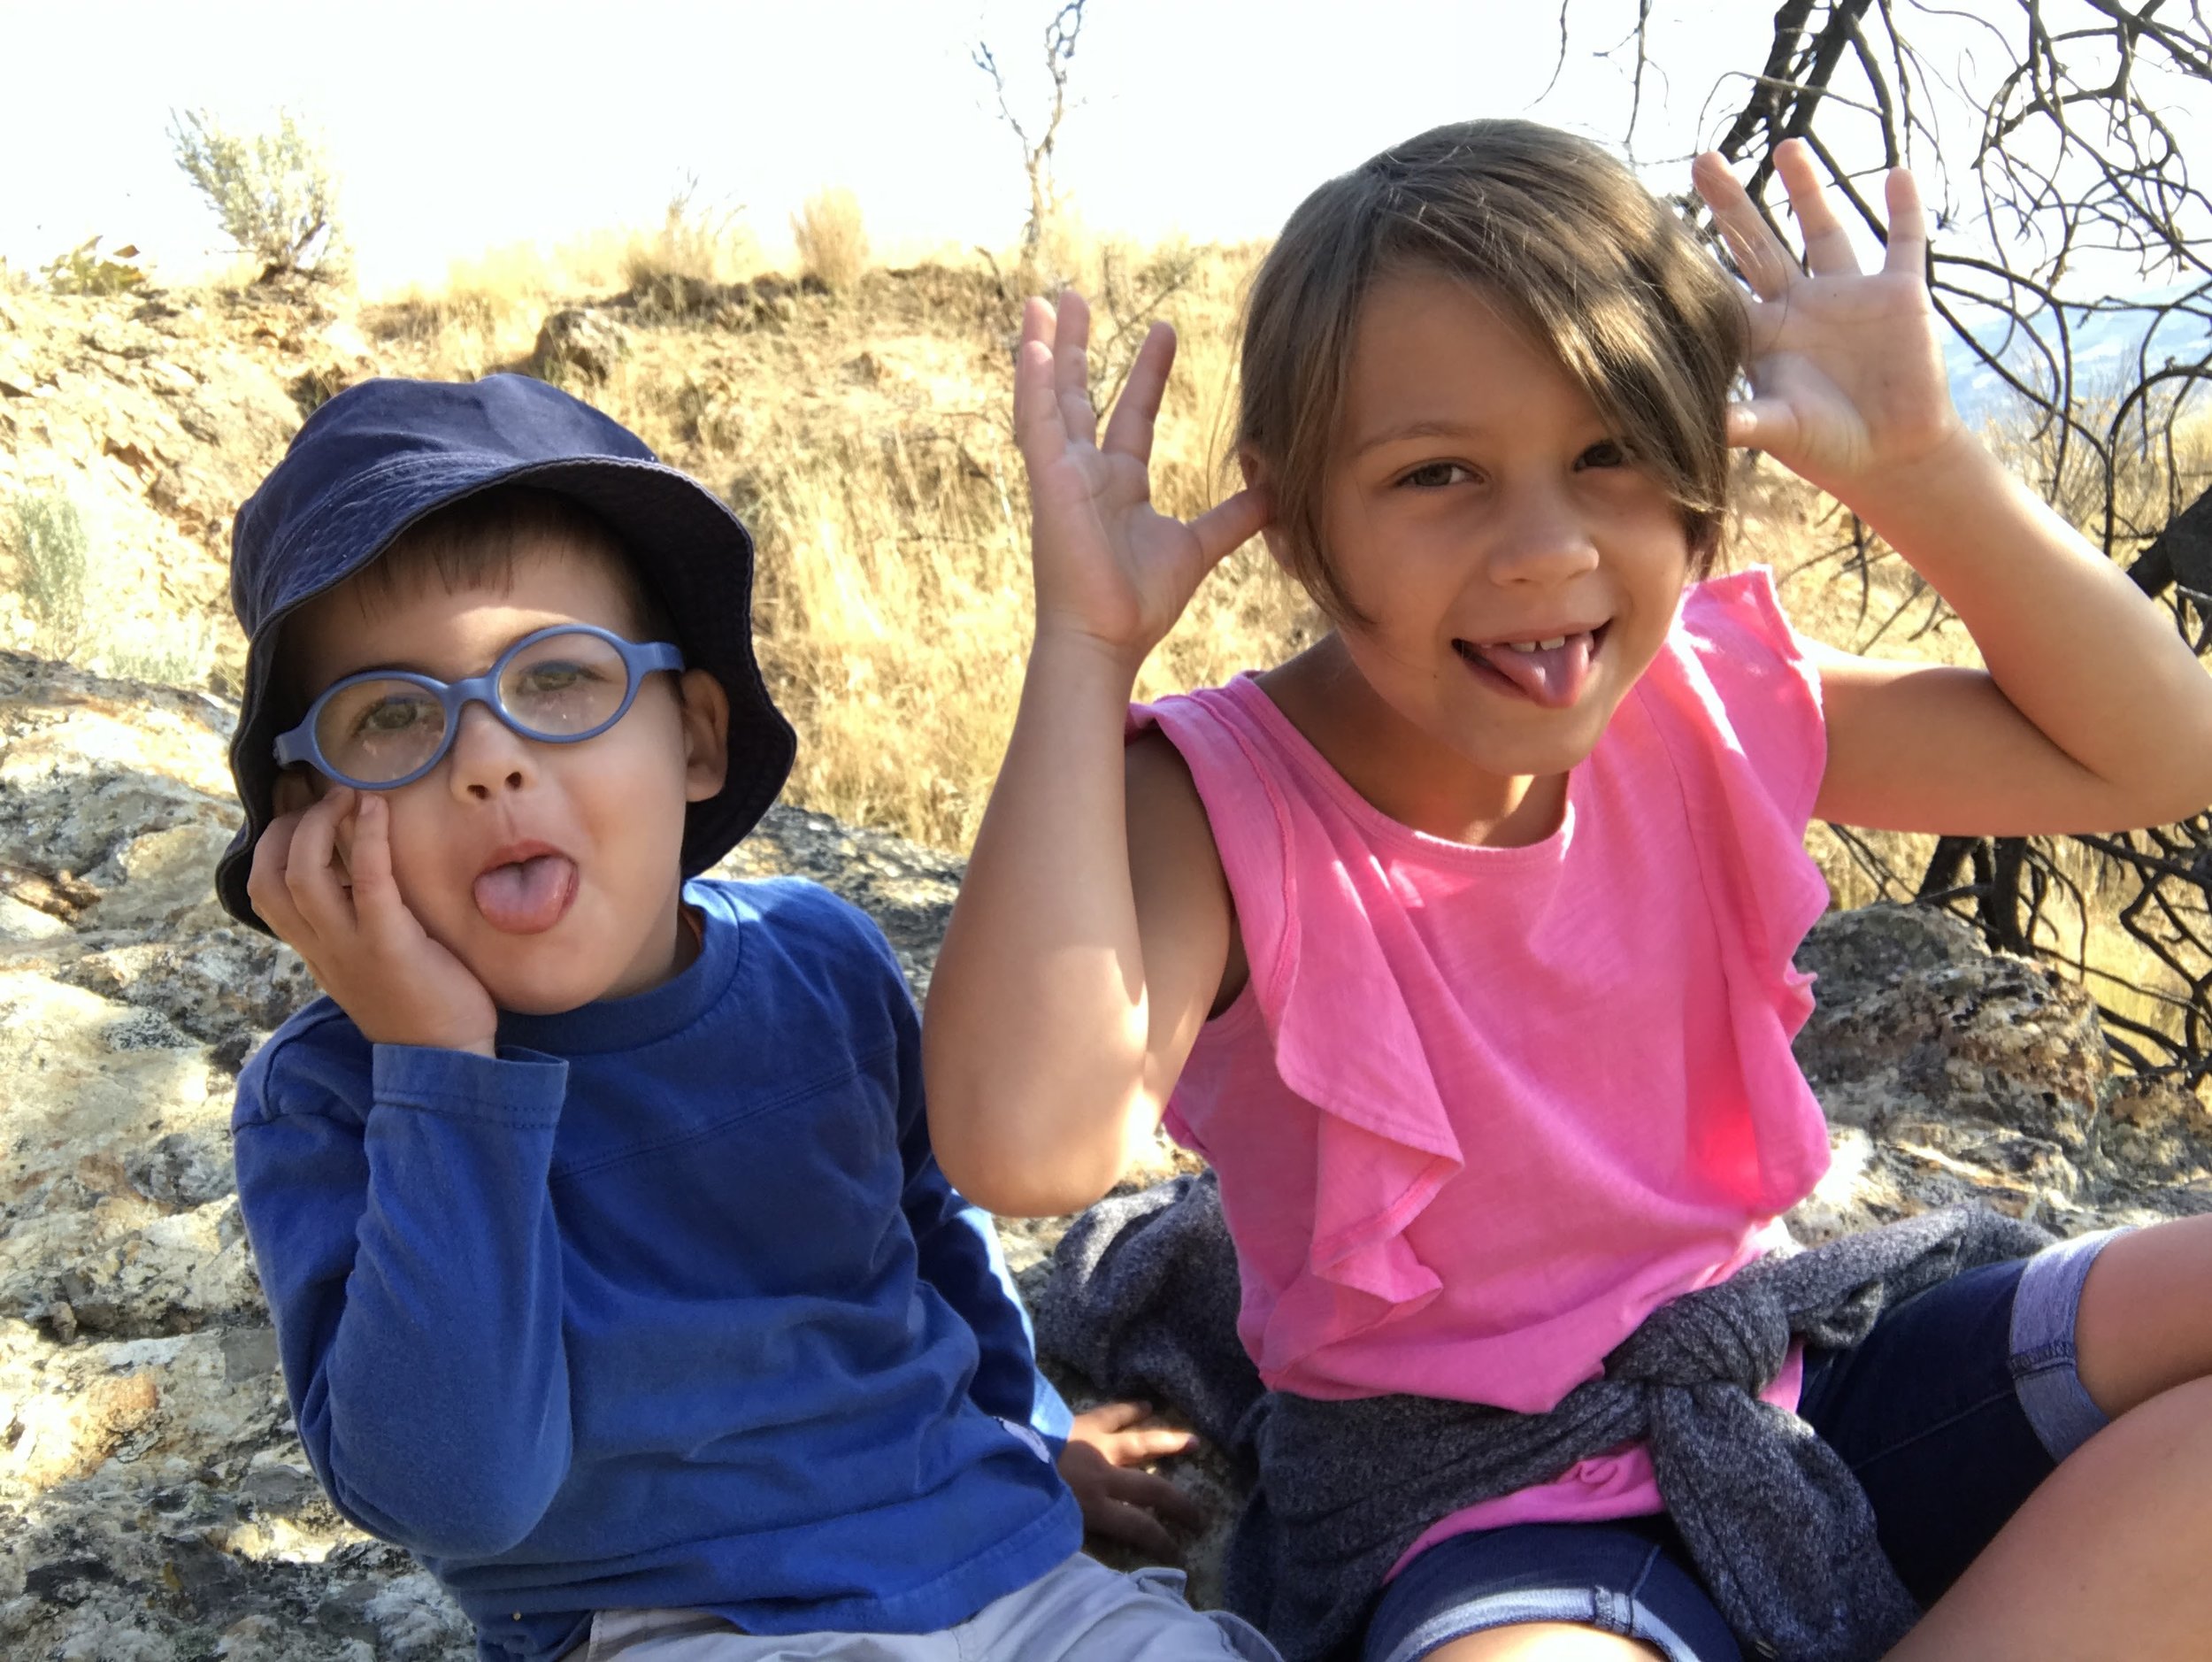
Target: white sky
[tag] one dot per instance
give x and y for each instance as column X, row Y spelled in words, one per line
column 465, row 125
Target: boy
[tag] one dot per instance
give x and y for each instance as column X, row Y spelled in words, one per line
column 611, row 1271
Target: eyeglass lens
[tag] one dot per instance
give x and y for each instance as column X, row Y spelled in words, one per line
column 384, row 729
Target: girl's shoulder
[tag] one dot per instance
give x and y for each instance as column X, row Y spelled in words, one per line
column 1739, row 613
column 1734, row 674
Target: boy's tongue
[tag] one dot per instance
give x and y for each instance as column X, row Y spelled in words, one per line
column 526, row 897
column 1552, row 676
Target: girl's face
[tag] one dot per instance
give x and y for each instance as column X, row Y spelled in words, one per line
column 1520, row 568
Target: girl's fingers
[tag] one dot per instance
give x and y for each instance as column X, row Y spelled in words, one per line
column 1071, row 371
column 1038, row 431
column 1136, row 411
column 1907, row 226
column 1828, row 251
column 1226, row 525
column 1765, row 265
column 1763, row 424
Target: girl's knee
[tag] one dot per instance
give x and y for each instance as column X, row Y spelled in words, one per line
column 1543, row 1642
column 2144, row 1320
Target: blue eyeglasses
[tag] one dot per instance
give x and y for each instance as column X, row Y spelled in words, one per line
column 387, row 728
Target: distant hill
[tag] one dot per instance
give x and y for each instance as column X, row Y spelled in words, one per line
column 2106, row 345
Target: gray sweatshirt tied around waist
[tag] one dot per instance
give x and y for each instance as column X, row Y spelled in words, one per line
column 1143, row 1298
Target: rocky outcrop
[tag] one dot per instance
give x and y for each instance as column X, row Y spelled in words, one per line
column 578, row 342
column 154, row 1505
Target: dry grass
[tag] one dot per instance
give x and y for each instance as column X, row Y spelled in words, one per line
column 696, row 245
column 865, row 434
column 831, row 238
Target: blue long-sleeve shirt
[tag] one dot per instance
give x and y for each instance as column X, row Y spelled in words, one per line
column 669, row 1305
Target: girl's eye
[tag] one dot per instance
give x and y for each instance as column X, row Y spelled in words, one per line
column 1435, row 475
column 1604, row 453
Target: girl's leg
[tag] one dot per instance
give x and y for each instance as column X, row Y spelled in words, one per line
column 2106, row 1559
column 1574, row 1592
column 2108, row 1556
column 1543, row 1642
column 2146, row 1319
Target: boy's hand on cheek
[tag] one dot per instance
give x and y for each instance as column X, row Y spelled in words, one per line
column 344, row 914
column 1101, row 1463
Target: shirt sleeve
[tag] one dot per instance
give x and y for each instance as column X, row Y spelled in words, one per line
column 960, row 1255
column 1765, row 685
column 408, row 1248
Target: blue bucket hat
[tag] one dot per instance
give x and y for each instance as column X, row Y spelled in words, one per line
column 382, row 454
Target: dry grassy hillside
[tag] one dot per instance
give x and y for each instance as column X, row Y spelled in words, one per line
column 863, row 430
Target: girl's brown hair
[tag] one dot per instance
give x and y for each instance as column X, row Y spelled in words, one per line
column 1552, row 226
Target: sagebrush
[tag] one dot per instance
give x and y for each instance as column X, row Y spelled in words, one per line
column 275, row 193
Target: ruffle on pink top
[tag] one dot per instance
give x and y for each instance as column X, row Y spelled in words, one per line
column 1480, row 1111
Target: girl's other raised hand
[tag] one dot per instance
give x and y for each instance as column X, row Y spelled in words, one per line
column 1111, row 568
column 1847, row 376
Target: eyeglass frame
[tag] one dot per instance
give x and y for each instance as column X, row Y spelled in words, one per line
column 299, row 744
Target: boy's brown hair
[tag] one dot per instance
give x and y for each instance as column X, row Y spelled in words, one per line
column 1601, row 273
column 473, row 543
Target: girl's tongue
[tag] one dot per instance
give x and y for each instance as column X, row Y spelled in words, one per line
column 527, row 897
column 1552, row 676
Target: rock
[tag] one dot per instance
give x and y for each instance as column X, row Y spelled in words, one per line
column 1950, row 1072
column 154, row 1502
column 580, row 340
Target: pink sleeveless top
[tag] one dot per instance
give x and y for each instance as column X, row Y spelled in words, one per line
column 1480, row 1111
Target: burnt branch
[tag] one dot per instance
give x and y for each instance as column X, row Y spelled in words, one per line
column 2073, row 263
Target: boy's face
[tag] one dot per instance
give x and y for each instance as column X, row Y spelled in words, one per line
column 551, row 871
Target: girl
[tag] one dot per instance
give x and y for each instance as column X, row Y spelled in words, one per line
column 1460, row 944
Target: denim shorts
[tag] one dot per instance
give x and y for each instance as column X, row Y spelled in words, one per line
column 1950, row 1412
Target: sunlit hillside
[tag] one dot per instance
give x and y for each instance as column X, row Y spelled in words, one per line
column 862, row 428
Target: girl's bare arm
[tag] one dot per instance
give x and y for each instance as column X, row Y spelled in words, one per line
column 2092, row 714
column 1093, row 925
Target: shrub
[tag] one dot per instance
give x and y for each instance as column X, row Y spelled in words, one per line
column 84, row 270
column 833, row 241
column 696, row 248
column 274, row 193
column 51, row 536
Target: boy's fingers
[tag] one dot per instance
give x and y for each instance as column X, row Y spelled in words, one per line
column 1228, row 525
column 1136, row 411
column 1151, row 1442
column 1133, row 1525
column 266, row 884
column 376, row 900
column 1828, row 251
column 1157, row 1496
column 1113, row 1415
column 314, row 886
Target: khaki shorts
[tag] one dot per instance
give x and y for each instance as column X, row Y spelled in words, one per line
column 1081, row 1611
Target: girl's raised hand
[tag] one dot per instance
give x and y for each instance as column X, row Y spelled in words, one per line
column 1110, row 567
column 1846, row 377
